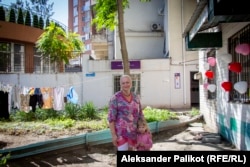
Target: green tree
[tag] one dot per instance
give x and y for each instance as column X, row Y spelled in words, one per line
column 35, row 21
column 20, row 16
column 12, row 17
column 41, row 23
column 2, row 13
column 107, row 12
column 57, row 46
column 47, row 22
column 27, row 19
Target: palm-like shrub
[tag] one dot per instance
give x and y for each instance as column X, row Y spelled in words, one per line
column 47, row 22
column 2, row 14
column 72, row 110
column 12, row 16
column 41, row 23
column 89, row 110
column 27, row 19
column 20, row 16
column 35, row 21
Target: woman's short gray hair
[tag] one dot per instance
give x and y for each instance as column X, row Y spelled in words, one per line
column 125, row 76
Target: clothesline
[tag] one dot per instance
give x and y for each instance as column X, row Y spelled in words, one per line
column 2, row 84
column 28, row 98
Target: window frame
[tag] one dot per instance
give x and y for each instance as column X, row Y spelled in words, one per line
column 136, row 80
column 240, row 37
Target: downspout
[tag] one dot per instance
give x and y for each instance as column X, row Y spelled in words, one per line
column 183, row 57
column 82, row 78
column 114, row 45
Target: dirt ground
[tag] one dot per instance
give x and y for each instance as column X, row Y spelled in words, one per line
column 105, row 155
column 94, row 156
column 100, row 155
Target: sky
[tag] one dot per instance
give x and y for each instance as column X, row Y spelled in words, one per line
column 60, row 8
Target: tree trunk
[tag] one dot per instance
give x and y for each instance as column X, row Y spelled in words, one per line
column 125, row 60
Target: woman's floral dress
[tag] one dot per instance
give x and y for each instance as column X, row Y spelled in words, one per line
column 125, row 115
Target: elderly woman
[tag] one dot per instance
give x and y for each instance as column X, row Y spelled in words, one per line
column 124, row 112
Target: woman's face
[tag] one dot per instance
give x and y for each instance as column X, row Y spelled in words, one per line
column 125, row 84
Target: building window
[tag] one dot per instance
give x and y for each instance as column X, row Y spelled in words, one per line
column 86, row 7
column 87, row 17
column 86, row 28
column 75, row 11
column 75, row 2
column 75, row 21
column 136, row 83
column 76, row 29
column 87, row 47
column 11, row 57
column 243, row 59
column 42, row 65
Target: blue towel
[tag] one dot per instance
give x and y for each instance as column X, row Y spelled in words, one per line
column 72, row 96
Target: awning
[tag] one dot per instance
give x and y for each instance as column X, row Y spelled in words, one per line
column 197, row 12
column 209, row 14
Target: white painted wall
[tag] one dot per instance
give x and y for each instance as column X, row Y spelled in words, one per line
column 211, row 109
column 141, row 42
column 65, row 80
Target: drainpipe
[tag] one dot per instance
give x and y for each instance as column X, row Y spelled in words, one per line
column 82, row 78
column 114, row 45
column 183, row 56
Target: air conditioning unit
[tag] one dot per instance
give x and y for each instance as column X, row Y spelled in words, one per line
column 156, row 27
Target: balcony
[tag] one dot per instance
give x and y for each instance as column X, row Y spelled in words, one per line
column 99, row 47
column 93, row 2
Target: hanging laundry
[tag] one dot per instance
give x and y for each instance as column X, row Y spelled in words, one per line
column 36, row 99
column 72, row 96
column 25, row 99
column 58, row 102
column 16, row 99
column 4, row 113
column 47, row 95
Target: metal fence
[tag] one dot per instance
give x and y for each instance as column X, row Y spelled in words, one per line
column 241, row 37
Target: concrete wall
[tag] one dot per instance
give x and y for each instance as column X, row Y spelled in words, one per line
column 142, row 42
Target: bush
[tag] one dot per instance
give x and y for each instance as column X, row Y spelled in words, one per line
column 194, row 112
column 72, row 111
column 3, row 159
column 21, row 116
column 153, row 114
column 89, row 110
column 44, row 114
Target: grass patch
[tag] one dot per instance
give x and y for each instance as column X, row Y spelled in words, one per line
column 75, row 117
column 154, row 114
column 194, row 112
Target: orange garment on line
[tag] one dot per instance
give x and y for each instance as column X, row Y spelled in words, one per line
column 47, row 98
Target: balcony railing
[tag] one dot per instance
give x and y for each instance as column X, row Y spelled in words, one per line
column 16, row 63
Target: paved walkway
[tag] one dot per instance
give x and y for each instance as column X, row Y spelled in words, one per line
column 194, row 137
